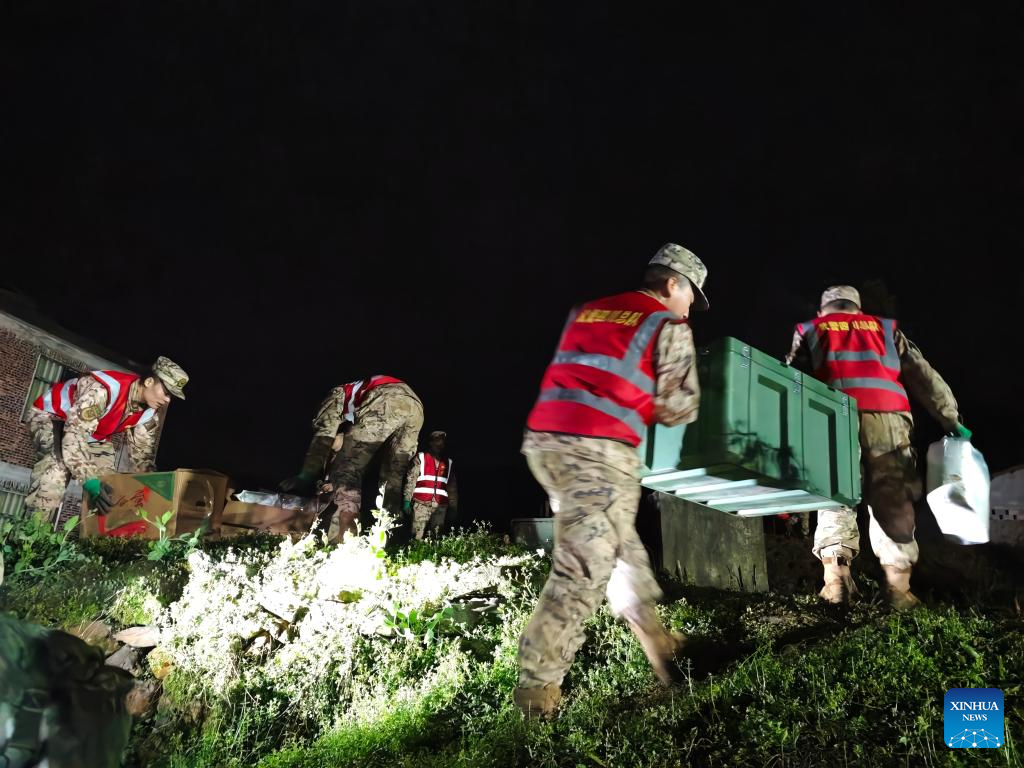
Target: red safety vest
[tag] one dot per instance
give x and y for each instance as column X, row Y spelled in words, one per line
column 857, row 354
column 59, row 398
column 356, row 392
column 432, row 484
column 601, row 381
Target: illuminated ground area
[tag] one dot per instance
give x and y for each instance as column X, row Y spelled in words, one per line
column 296, row 655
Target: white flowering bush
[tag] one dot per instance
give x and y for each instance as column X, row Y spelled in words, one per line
column 309, row 637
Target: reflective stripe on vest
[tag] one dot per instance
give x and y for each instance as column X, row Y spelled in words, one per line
column 429, row 487
column 868, row 383
column 890, row 359
column 65, row 395
column 627, row 367
column 839, row 376
column 351, row 392
column 45, row 401
column 356, row 392
column 114, row 418
column 111, row 421
column 627, row 416
column 147, row 415
column 113, row 390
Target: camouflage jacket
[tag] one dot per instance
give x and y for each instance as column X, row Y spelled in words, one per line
column 677, row 390
column 331, row 413
column 91, row 399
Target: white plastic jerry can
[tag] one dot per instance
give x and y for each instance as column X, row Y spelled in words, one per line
column 958, row 490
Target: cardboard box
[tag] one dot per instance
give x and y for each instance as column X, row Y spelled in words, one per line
column 192, row 495
column 242, row 517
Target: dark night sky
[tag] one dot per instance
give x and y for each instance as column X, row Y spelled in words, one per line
column 285, row 197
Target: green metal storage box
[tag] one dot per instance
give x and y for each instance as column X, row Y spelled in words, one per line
column 768, row 439
column 534, row 532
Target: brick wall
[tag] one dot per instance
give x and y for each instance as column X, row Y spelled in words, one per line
column 18, row 355
column 17, row 363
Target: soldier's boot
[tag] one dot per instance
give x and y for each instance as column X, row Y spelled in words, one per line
column 839, row 584
column 538, row 703
column 341, row 523
column 897, row 588
column 662, row 647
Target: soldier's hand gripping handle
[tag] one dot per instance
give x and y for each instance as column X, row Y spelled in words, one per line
column 312, row 467
column 101, row 495
column 962, row 432
column 300, row 485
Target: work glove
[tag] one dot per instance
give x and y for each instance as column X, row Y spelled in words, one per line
column 316, row 457
column 407, row 507
column 300, row 485
column 962, row 432
column 101, row 495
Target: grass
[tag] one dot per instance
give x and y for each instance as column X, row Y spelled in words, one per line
column 773, row 680
column 124, row 594
column 866, row 695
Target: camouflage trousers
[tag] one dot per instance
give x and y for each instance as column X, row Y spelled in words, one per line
column 49, row 475
column 891, row 486
column 427, row 517
column 594, row 492
column 389, row 419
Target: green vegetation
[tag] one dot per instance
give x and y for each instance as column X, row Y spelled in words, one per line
column 286, row 654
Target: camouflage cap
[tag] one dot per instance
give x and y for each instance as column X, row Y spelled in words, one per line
column 686, row 263
column 840, row 293
column 172, row 375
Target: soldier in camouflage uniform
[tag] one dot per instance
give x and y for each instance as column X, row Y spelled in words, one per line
column 60, row 705
column 431, row 489
column 72, row 424
column 872, row 360
column 385, row 413
column 324, row 490
column 623, row 363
